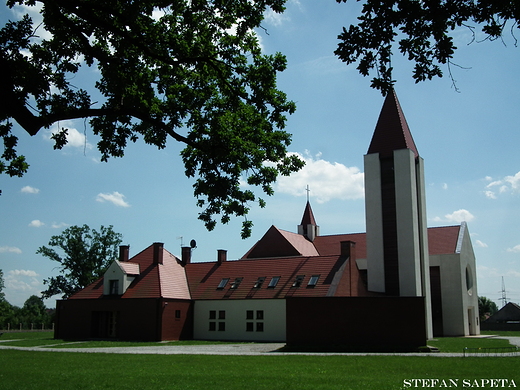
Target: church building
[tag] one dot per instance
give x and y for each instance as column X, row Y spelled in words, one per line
column 391, row 288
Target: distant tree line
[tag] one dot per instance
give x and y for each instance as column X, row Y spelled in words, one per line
column 33, row 314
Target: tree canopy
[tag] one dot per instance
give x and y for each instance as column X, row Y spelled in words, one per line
column 84, row 255
column 486, row 307
column 2, row 295
column 424, row 30
column 189, row 70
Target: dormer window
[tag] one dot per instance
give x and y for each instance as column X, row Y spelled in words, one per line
column 313, row 281
column 222, row 283
column 114, row 287
column 236, row 283
column 298, row 281
column 259, row 282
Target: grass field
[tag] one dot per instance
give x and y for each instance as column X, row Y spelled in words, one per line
column 66, row 370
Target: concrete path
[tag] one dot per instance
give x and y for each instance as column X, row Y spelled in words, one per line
column 266, row 349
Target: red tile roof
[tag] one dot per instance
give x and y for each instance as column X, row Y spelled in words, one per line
column 337, row 276
column 167, row 280
column 443, row 240
column 392, row 131
column 204, row 278
column 129, row 268
column 281, row 243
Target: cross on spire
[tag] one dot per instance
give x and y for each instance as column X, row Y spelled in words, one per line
column 308, row 190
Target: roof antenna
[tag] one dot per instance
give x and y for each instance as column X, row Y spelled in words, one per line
column 181, row 238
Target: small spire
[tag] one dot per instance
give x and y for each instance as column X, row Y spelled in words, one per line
column 392, row 131
column 308, row 216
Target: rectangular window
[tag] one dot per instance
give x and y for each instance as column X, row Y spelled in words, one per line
column 212, row 314
column 313, row 281
column 221, row 326
column 249, row 314
column 221, row 314
column 298, row 281
column 273, row 282
column 177, row 314
column 259, row 314
column 259, row 282
column 212, row 326
column 259, row 326
column 114, row 287
column 222, row 283
column 250, row 326
column 236, row 283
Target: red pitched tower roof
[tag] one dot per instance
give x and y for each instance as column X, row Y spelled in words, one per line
column 308, row 216
column 392, row 132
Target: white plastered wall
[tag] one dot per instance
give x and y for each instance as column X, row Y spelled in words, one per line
column 407, row 217
column 274, row 319
column 374, row 224
column 459, row 303
column 115, row 272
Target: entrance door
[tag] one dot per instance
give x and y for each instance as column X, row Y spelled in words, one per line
column 472, row 321
column 104, row 324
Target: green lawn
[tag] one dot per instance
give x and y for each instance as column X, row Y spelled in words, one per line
column 66, row 370
column 60, row 370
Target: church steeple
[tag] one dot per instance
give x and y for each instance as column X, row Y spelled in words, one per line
column 392, row 131
column 308, row 226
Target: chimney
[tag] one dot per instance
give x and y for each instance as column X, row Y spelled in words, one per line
column 221, row 256
column 124, row 251
column 348, row 249
column 186, row 255
column 158, row 252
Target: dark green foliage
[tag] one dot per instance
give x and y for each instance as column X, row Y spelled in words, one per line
column 424, row 30
column 191, row 71
column 87, row 254
column 2, row 295
column 486, row 308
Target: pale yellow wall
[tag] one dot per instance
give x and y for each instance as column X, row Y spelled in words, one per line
column 274, row 319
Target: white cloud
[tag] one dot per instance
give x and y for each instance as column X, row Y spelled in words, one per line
column 490, row 194
column 514, row 181
column 59, row 225
column 115, row 198
column 274, row 18
column 326, row 180
column 11, row 249
column 513, row 273
column 487, row 272
column 21, row 284
column 444, row 186
column 505, row 185
column 75, row 138
column 30, row 190
column 34, row 12
column 23, row 272
column 457, row 217
column 515, row 249
column 481, row 244
column 36, row 223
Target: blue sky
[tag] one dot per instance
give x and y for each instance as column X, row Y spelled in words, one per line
column 468, row 139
